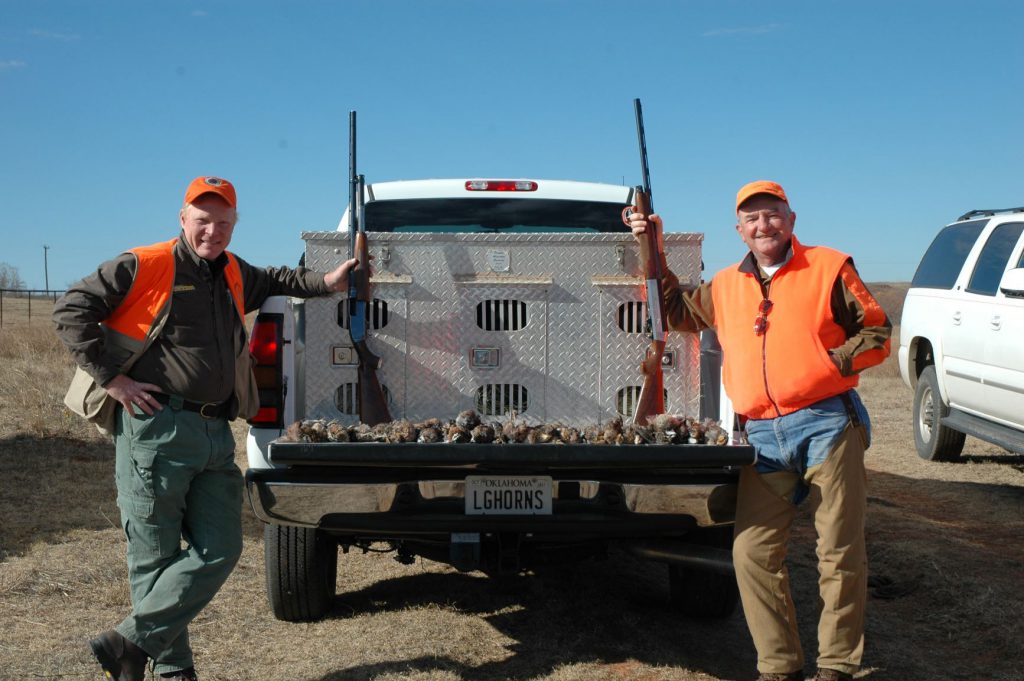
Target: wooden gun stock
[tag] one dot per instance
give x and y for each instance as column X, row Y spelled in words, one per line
column 651, row 401
column 373, row 404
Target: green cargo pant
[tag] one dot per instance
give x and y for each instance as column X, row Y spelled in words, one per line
column 176, row 479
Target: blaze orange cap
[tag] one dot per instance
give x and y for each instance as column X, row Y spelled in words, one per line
column 208, row 184
column 759, row 187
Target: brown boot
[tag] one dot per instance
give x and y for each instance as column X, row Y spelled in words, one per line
column 832, row 675
column 792, row 676
column 121, row 659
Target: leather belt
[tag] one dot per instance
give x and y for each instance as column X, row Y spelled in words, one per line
column 208, row 410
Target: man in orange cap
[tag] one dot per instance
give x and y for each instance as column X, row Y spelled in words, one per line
column 159, row 337
column 796, row 325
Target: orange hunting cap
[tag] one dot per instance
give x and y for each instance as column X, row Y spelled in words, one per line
column 208, row 184
column 759, row 187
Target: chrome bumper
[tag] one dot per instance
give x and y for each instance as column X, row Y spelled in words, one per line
column 327, row 504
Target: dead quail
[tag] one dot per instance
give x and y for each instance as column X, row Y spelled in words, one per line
column 546, row 433
column 484, row 434
column 294, row 432
column 665, row 422
column 467, row 419
column 336, row 432
column 520, row 433
column 666, row 428
column 569, row 435
column 613, row 430
column 315, row 431
column 362, row 433
column 456, row 434
column 716, row 435
column 593, row 434
column 429, row 434
column 499, row 433
column 401, row 431
column 429, row 423
column 643, row 435
column 696, row 432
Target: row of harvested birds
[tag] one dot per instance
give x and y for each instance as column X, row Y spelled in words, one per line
column 468, row 427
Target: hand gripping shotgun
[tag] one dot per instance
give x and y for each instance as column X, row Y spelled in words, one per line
column 373, row 406
column 651, row 401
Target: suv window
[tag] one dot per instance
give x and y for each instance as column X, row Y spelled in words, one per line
column 494, row 215
column 944, row 259
column 993, row 258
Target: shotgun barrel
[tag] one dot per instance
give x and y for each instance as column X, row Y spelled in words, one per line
column 651, row 401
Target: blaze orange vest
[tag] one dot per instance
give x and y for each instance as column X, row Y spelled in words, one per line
column 138, row 320
column 150, row 293
column 788, row 366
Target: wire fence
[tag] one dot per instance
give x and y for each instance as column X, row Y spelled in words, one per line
column 27, row 306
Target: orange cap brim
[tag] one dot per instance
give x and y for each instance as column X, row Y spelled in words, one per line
column 759, row 187
column 209, row 184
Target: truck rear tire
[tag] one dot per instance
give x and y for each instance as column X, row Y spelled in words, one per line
column 934, row 441
column 302, row 571
column 703, row 593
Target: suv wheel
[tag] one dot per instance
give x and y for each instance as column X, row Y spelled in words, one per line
column 934, row 441
column 302, row 571
column 703, row 593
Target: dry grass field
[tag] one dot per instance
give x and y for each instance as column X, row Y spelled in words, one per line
column 946, row 549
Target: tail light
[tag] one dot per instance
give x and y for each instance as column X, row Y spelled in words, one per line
column 501, row 186
column 265, row 345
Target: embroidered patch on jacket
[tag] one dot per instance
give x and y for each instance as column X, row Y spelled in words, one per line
column 179, row 288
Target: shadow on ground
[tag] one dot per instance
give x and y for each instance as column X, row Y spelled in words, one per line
column 614, row 613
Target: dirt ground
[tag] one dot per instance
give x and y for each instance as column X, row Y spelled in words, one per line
column 946, row 551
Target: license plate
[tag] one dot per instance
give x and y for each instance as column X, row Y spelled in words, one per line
column 508, row 495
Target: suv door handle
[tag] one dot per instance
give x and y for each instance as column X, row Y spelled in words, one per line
column 957, row 317
column 996, row 322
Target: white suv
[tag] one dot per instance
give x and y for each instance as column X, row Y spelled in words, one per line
column 962, row 336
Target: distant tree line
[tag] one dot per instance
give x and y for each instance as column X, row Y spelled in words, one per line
column 10, row 278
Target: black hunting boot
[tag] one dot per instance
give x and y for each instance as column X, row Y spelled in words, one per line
column 121, row 659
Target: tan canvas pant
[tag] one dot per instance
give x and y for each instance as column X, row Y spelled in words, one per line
column 764, row 516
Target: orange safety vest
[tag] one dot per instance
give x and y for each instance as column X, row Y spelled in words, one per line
column 149, row 297
column 138, row 320
column 788, row 367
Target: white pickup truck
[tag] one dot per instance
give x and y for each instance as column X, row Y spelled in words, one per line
column 517, row 299
column 961, row 346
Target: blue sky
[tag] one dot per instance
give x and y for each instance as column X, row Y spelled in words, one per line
column 883, row 120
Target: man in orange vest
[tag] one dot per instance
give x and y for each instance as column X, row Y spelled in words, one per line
column 796, row 325
column 158, row 334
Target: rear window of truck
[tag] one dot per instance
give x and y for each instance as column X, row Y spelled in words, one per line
column 494, row 215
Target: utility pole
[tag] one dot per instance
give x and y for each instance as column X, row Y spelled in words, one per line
column 46, row 267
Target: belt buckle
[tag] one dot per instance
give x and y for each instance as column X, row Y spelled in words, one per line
column 213, row 406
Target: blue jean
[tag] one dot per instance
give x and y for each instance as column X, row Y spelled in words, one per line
column 799, row 441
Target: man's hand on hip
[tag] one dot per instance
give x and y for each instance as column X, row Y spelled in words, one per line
column 132, row 394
